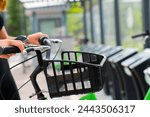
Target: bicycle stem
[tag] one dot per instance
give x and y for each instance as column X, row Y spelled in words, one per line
column 34, row 74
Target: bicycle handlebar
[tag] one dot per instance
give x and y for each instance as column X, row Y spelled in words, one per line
column 9, row 50
column 139, row 35
column 45, row 44
column 146, row 33
column 14, row 49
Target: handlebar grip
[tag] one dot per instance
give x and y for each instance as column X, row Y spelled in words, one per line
column 9, row 50
column 42, row 40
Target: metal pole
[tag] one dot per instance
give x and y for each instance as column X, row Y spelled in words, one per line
column 91, row 19
column 117, row 22
column 33, row 22
column 146, row 15
column 146, row 20
column 25, row 21
column 19, row 16
column 65, row 22
column 84, row 19
column 101, row 21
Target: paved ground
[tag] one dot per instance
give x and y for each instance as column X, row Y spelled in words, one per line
column 27, row 90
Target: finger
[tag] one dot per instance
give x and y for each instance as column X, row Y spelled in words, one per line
column 35, row 35
column 5, row 56
column 45, row 35
column 33, row 38
column 17, row 43
column 11, row 55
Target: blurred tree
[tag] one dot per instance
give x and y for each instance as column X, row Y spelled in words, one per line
column 13, row 18
column 74, row 20
column 74, row 25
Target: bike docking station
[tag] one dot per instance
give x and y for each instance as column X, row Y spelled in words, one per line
column 116, row 81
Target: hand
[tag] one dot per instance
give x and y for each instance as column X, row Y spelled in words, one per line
column 34, row 38
column 10, row 42
column 6, row 56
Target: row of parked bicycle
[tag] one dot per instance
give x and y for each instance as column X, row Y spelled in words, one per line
column 127, row 71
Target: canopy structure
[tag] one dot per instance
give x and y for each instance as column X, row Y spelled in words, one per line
column 33, row 4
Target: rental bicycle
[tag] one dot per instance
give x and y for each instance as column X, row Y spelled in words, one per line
column 76, row 73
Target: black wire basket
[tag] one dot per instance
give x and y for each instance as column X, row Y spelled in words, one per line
column 77, row 73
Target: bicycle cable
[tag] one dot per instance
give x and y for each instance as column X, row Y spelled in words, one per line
column 18, row 65
column 29, row 79
column 48, row 64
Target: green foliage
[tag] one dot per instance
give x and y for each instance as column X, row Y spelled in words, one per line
column 75, row 25
column 75, row 8
column 13, row 19
column 74, row 20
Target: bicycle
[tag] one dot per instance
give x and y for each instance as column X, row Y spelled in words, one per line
column 84, row 73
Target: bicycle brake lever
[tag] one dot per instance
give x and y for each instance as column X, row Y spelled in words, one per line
column 146, row 33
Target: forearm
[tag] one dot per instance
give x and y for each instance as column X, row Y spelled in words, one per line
column 3, row 33
column 10, row 37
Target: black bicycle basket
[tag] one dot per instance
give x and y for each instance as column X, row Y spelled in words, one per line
column 77, row 73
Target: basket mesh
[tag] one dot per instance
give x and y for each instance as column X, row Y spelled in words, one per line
column 76, row 73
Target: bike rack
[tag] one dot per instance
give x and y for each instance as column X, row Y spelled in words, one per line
column 117, row 88
column 136, row 70
column 131, row 79
column 107, row 74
